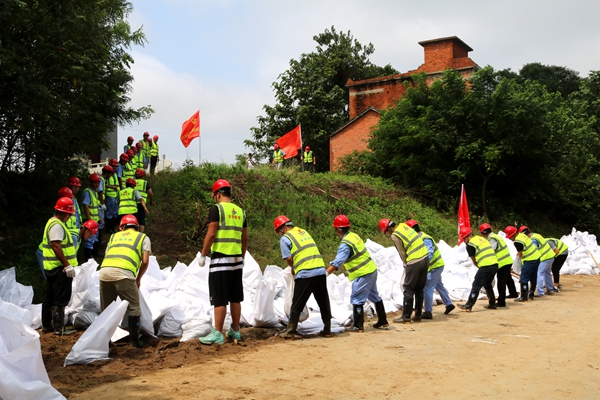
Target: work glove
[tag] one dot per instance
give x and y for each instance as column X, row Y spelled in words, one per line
column 70, row 271
column 104, row 207
column 202, row 261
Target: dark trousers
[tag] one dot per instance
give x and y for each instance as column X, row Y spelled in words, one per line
column 58, row 293
column 309, row 167
column 504, row 277
column 415, row 279
column 316, row 286
column 529, row 272
column 484, row 278
column 153, row 160
column 557, row 265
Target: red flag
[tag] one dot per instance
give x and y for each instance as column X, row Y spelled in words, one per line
column 291, row 142
column 190, row 129
column 463, row 213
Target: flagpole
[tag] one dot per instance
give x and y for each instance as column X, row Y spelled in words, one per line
column 301, row 147
column 199, row 141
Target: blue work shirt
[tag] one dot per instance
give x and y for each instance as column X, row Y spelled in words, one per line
column 344, row 252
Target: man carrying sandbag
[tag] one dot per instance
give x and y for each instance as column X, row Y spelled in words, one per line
column 125, row 262
column 300, row 252
column 362, row 272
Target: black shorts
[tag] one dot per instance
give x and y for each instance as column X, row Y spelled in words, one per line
column 225, row 287
column 141, row 215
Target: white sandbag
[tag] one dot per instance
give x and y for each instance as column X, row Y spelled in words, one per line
column 289, row 295
column 146, row 322
column 517, row 265
column 93, row 344
column 275, row 273
column 169, row 326
column 36, row 311
column 12, row 291
column 196, row 328
column 84, row 319
column 264, row 312
column 252, row 273
column 16, row 313
column 23, row 375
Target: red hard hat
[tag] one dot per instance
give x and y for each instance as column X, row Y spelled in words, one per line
column 523, row 229
column 149, row 139
column 341, row 221
column 307, row 148
column 280, row 221
column 65, row 204
column 107, row 168
column 130, row 139
column 140, row 172
column 130, row 181
column 65, row 192
column 275, row 146
column 483, row 227
column 133, row 149
column 74, row 181
column 129, row 220
column 510, row 231
column 155, row 137
column 113, row 162
column 95, row 178
column 146, row 134
column 384, row 224
column 411, row 222
column 220, row 184
column 130, row 153
column 124, row 157
column 91, row 225
column 464, row 232
column 138, row 145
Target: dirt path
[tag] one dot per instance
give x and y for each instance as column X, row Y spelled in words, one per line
column 543, row 349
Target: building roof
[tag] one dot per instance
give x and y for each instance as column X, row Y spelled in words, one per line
column 446, row 39
column 370, row 108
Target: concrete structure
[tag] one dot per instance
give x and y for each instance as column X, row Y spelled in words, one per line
column 369, row 96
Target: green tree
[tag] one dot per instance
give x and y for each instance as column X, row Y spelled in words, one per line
column 555, row 78
column 312, row 93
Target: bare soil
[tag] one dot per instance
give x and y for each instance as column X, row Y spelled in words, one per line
column 541, row 349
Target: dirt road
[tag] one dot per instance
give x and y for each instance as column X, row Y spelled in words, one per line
column 544, row 349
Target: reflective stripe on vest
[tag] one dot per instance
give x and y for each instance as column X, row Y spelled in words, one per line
column 529, row 252
column 137, row 162
column 502, row 253
column 127, row 201
column 305, row 253
column 94, row 205
column 50, row 260
column 484, row 254
column 278, row 156
column 228, row 240
column 437, row 261
column 128, row 172
column 308, row 157
column 112, row 181
column 559, row 245
column 71, row 225
column 546, row 252
column 360, row 263
column 125, row 251
column 145, row 148
column 413, row 243
column 154, row 149
column 142, row 187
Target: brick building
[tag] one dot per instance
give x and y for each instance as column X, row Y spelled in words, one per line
column 369, row 96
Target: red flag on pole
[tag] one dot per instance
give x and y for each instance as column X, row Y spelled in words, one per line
column 190, row 129
column 463, row 213
column 291, row 142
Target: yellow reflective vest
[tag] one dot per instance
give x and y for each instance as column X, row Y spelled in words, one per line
column 484, row 253
column 436, row 261
column 308, row 157
column 360, row 262
column 142, row 186
column 228, row 240
column 413, row 243
column 124, row 251
column 305, row 253
column 127, row 201
column 50, row 260
column 546, row 252
column 278, row 156
column 562, row 248
column 112, row 181
column 154, row 149
column 502, row 253
column 94, row 205
column 530, row 252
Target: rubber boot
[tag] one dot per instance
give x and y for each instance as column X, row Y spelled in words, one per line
column 326, row 332
column 523, row 296
column 134, row 332
column 382, row 321
column 418, row 307
column 359, row 319
column 491, row 301
column 58, row 318
column 46, row 318
column 292, row 326
column 407, row 309
column 470, row 302
column 531, row 294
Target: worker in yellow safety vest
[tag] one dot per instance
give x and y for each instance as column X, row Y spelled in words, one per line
column 153, row 154
column 529, row 256
column 278, row 157
column 91, row 210
column 413, row 253
column 308, row 160
column 142, row 186
column 302, row 255
column 362, row 272
column 484, row 258
column 121, row 272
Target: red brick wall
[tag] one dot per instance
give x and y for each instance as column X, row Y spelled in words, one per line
column 353, row 137
column 379, row 95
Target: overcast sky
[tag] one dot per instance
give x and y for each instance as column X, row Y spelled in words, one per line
column 221, row 56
